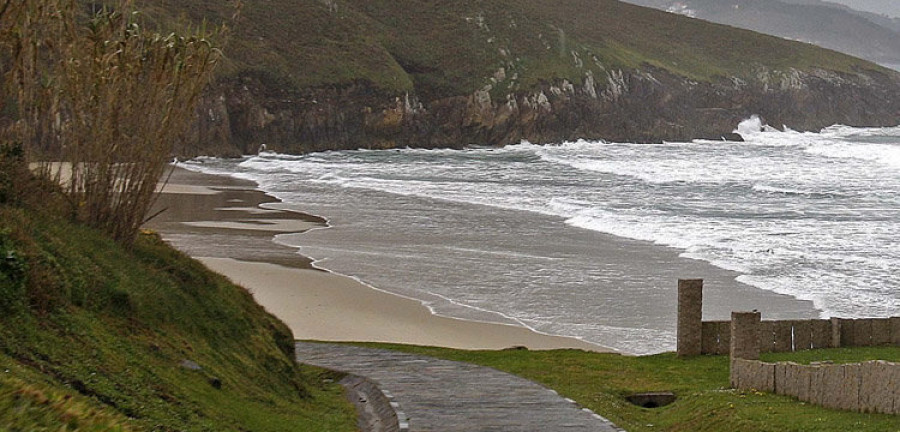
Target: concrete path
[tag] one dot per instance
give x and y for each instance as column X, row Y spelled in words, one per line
column 446, row 396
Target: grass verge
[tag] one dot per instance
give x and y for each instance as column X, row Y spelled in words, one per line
column 705, row 403
column 97, row 337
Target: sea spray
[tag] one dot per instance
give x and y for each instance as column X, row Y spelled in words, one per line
column 517, row 233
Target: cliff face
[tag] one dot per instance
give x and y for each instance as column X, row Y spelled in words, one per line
column 312, row 75
column 649, row 105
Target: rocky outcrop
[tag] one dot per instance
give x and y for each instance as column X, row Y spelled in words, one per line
column 648, row 105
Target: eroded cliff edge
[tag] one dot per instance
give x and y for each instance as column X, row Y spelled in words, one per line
column 635, row 106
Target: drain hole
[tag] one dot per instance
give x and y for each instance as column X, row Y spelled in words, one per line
column 651, row 399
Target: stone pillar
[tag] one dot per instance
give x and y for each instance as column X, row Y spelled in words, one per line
column 690, row 317
column 836, row 329
column 745, row 335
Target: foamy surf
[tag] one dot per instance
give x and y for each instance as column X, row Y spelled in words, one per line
column 810, row 215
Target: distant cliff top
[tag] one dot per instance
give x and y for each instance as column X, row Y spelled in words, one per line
column 443, row 48
column 830, row 25
column 312, row 75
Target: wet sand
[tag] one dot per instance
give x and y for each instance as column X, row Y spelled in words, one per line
column 224, row 223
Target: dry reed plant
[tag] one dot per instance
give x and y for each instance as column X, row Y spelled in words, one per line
column 105, row 97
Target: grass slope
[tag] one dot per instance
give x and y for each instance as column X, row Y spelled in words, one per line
column 448, row 48
column 92, row 337
column 705, row 403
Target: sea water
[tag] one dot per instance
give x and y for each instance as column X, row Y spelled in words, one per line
column 583, row 238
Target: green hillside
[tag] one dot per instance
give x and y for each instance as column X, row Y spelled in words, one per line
column 453, row 48
column 96, row 337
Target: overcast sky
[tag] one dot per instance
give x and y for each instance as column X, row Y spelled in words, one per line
column 886, row 7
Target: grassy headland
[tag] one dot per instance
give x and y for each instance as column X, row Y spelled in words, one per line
column 316, row 75
column 97, row 337
column 454, row 48
column 705, row 403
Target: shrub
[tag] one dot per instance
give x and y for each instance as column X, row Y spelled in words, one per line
column 101, row 102
column 12, row 276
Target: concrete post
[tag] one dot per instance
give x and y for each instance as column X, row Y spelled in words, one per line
column 836, row 340
column 690, row 317
column 745, row 335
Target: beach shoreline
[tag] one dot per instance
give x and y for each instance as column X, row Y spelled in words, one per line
column 224, row 222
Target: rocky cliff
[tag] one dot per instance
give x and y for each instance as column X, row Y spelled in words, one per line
column 494, row 74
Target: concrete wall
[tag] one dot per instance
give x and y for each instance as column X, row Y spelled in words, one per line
column 787, row 336
column 863, row 387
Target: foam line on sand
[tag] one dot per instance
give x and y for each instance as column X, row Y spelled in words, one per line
column 330, row 307
column 315, row 304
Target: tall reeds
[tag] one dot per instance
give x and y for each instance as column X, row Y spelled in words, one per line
column 100, row 102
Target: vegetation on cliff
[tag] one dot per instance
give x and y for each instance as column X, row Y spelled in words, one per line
column 104, row 96
column 94, row 336
column 312, row 75
column 455, row 48
column 102, row 328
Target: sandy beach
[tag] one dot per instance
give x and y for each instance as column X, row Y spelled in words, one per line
column 224, row 223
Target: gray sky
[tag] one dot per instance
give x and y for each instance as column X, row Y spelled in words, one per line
column 886, row 7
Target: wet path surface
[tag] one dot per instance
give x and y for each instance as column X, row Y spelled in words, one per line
column 441, row 395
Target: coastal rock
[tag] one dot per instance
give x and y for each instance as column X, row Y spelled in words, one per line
column 190, row 365
column 652, row 105
column 732, row 136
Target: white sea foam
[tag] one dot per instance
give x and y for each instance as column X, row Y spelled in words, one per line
column 811, row 215
column 887, row 154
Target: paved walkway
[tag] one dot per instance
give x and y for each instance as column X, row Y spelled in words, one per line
column 446, row 396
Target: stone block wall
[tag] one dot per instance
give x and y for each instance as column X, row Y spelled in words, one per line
column 794, row 335
column 871, row 387
column 696, row 336
column 716, row 337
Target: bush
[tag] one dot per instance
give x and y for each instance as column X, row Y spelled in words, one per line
column 102, row 102
column 12, row 276
column 12, row 163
